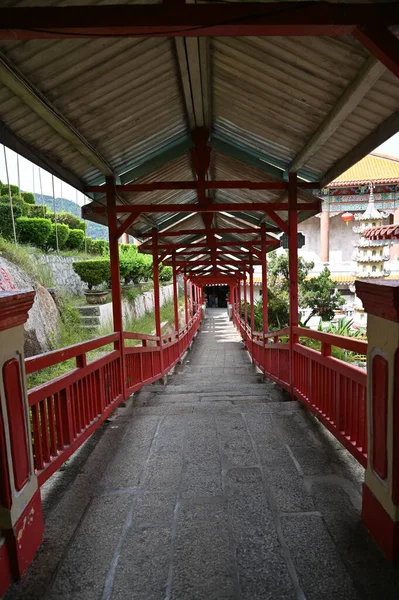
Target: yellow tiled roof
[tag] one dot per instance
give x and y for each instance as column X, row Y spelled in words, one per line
column 374, row 167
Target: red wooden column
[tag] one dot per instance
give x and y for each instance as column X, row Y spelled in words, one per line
column 245, row 302
column 251, row 303
column 114, row 254
column 21, row 518
column 380, row 510
column 293, row 268
column 157, row 305
column 115, row 274
column 175, row 293
column 190, row 285
column 185, row 299
column 265, row 315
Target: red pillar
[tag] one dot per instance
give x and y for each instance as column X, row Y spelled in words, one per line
column 245, row 301
column 293, row 268
column 114, row 255
column 190, row 285
column 185, row 300
column 155, row 276
column 251, row 296
column 265, row 316
column 175, row 293
column 21, row 517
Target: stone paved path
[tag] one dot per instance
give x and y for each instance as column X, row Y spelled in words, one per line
column 215, row 487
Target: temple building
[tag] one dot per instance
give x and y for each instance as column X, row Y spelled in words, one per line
column 331, row 241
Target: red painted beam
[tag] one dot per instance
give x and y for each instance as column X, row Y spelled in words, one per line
column 198, row 263
column 236, row 184
column 383, row 44
column 215, row 207
column 170, row 20
column 205, row 244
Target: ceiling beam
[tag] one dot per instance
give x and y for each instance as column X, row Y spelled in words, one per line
column 193, row 58
column 180, row 19
column 246, row 157
column 11, row 77
column 368, row 75
column 380, row 134
column 225, row 184
column 382, row 44
column 216, row 207
column 156, row 161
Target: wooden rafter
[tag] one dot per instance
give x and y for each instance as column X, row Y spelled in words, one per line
column 21, row 87
column 350, row 99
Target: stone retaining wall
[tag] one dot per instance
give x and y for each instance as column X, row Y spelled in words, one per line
column 64, row 277
column 142, row 304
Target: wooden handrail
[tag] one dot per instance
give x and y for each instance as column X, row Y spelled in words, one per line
column 340, row 341
column 48, row 359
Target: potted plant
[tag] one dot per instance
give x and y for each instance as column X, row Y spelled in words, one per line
column 94, row 273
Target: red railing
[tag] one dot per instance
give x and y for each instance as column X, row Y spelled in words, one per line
column 333, row 389
column 66, row 410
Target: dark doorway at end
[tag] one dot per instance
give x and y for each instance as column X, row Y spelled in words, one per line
column 216, row 296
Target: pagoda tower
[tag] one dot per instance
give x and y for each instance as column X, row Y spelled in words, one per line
column 371, row 254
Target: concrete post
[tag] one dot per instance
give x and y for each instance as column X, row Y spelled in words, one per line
column 21, row 518
column 381, row 487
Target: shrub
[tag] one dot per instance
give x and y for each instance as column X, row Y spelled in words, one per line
column 36, row 210
column 89, row 244
column 75, row 239
column 16, row 201
column 165, row 273
column 4, row 190
column 93, row 272
column 28, row 197
column 34, row 232
column 6, row 229
column 69, row 219
column 60, row 231
column 101, row 247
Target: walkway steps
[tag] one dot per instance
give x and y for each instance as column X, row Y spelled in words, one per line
column 214, row 487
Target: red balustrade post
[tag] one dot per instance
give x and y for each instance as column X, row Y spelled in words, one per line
column 21, row 517
column 185, row 300
column 157, row 305
column 380, row 510
column 293, row 269
column 175, row 292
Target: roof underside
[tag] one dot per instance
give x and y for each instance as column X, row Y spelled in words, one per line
column 88, row 108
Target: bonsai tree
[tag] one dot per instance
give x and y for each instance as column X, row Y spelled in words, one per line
column 93, row 272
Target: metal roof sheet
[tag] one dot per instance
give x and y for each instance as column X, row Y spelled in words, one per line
column 126, row 99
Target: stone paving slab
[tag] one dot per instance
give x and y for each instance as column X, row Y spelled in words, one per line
column 208, row 489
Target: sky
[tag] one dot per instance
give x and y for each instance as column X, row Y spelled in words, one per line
column 30, row 178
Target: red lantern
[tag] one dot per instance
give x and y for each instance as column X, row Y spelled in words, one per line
column 347, row 216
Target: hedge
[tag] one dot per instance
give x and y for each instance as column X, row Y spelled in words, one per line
column 60, row 231
column 34, row 232
column 28, row 197
column 16, row 201
column 6, row 229
column 69, row 219
column 93, row 272
column 4, row 190
column 38, row 211
column 75, row 239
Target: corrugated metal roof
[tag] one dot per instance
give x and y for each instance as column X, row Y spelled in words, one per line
column 125, row 98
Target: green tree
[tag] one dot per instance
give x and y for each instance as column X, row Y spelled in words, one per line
column 319, row 294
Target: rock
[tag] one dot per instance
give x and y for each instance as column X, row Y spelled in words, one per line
column 43, row 321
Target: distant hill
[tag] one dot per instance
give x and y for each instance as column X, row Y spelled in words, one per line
column 94, row 230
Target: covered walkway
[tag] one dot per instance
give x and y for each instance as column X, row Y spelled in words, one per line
column 221, row 488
